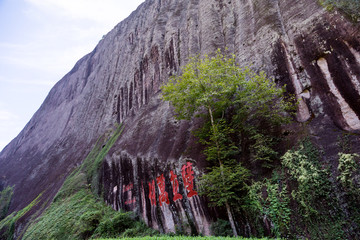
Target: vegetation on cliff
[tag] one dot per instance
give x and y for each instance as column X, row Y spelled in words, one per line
column 242, row 111
column 5, row 198
column 78, row 211
column 266, row 189
column 186, row 238
column 351, row 8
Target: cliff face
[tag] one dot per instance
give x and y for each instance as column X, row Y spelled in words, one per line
column 314, row 52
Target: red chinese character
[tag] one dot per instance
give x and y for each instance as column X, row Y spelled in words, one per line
column 128, row 187
column 152, row 195
column 175, row 185
column 188, row 177
column 129, row 202
column 163, row 195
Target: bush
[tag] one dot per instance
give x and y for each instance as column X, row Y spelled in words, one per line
column 313, row 181
column 349, row 172
column 351, row 8
column 5, row 199
column 221, row 228
column 269, row 200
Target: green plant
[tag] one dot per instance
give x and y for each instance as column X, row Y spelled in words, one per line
column 349, row 172
column 7, row 225
column 344, row 143
column 269, row 199
column 313, row 181
column 5, row 200
column 77, row 212
column 81, row 216
column 221, row 228
column 351, row 8
column 164, row 237
column 241, row 110
column 317, row 208
column 226, row 184
column 93, row 161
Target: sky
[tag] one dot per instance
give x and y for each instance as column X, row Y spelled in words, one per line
column 40, row 41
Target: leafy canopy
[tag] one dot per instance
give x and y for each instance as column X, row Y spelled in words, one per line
column 235, row 101
column 241, row 110
column 219, row 83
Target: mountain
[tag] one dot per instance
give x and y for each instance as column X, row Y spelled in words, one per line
column 315, row 52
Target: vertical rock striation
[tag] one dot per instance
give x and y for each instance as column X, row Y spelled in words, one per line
column 314, row 52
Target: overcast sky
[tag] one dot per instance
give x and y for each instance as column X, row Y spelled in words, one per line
column 40, row 41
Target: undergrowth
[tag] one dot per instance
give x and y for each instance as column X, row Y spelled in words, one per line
column 269, row 201
column 5, row 199
column 7, row 225
column 186, row 238
column 78, row 211
column 351, row 8
column 316, row 208
column 83, row 216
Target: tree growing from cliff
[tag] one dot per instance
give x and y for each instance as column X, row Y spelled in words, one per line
column 241, row 109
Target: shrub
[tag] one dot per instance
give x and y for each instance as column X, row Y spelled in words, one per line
column 5, row 199
column 349, row 172
column 221, row 228
column 351, row 8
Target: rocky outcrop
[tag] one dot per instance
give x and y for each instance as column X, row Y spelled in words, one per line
column 314, row 52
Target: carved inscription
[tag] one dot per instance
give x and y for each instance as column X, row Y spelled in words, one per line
column 187, row 174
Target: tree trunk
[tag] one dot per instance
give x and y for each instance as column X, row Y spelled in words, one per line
column 231, row 219
column 228, row 209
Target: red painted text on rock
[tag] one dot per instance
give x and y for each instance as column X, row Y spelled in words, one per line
column 152, row 195
column 175, row 186
column 188, row 178
column 163, row 195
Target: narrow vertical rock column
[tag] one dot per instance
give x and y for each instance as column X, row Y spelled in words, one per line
column 349, row 115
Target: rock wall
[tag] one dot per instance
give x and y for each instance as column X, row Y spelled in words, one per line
column 314, row 52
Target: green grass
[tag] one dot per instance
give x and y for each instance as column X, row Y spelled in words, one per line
column 83, row 216
column 78, row 211
column 185, row 238
column 5, row 199
column 7, row 225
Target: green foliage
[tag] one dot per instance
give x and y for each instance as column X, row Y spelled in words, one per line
column 208, row 83
column 93, row 161
column 219, row 145
column 351, row 8
column 263, row 149
column 344, row 143
column 313, row 181
column 349, row 172
column 188, row 238
column 242, row 110
column 77, row 211
column 73, row 183
column 5, row 199
column 269, row 199
column 317, row 208
column 81, row 216
column 225, row 184
column 217, row 83
column 7, row 225
column 221, row 228
column 88, row 172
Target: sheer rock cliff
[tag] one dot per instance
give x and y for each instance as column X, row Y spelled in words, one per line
column 314, row 52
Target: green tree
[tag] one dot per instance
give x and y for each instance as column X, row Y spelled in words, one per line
column 241, row 109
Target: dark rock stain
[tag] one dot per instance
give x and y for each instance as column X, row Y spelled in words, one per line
column 325, row 43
